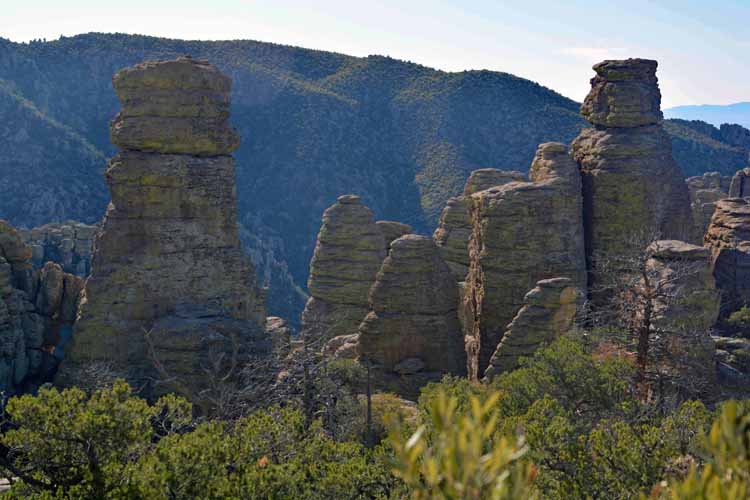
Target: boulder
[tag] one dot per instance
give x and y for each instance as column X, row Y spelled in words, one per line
column 523, row 232
column 549, row 311
column 348, row 254
column 413, row 315
column 631, row 183
column 168, row 275
column 728, row 238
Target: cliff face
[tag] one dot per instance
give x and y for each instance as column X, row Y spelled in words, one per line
column 523, row 232
column 705, row 191
column 631, row 182
column 169, row 278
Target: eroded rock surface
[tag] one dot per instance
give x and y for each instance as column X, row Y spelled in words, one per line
column 740, row 185
column 728, row 238
column 169, row 279
column 348, row 255
column 392, row 231
column 631, row 183
column 523, row 232
column 413, row 316
column 549, row 311
column 705, row 191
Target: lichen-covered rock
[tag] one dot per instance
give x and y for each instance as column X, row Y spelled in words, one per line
column 705, row 191
column 413, row 315
column 348, row 254
column 631, row 183
column 728, row 238
column 169, row 277
column 179, row 106
column 548, row 312
column 392, row 231
column 454, row 229
column 740, row 185
column 523, row 232
column 69, row 244
column 342, row 347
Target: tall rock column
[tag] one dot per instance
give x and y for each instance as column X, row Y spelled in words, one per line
column 705, row 191
column 522, row 232
column 348, row 254
column 631, row 183
column 169, row 277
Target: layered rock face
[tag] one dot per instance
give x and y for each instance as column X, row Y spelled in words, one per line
column 740, row 185
column 392, row 231
column 412, row 331
column 728, row 238
column 69, row 244
column 37, row 310
column 348, row 254
column 523, row 232
column 705, row 191
column 631, row 183
column 549, row 311
column 169, row 278
column 454, row 229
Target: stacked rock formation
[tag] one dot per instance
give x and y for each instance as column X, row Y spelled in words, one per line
column 631, row 183
column 686, row 305
column 705, row 191
column 548, row 312
column 454, row 229
column 412, row 334
column 37, row 310
column 392, row 231
column 348, row 254
column 740, row 185
column 728, row 238
column 523, row 232
column 169, row 279
column 69, row 244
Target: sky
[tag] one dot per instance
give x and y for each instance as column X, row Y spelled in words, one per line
column 702, row 45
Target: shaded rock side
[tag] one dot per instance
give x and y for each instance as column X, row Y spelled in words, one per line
column 348, row 255
column 728, row 238
column 392, row 231
column 740, row 185
column 169, row 279
column 523, row 232
column 631, row 183
column 413, row 317
column 705, row 191
column 69, row 244
column 37, row 310
column 454, row 228
column 549, row 311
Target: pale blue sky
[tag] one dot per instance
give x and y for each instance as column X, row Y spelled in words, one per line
column 703, row 46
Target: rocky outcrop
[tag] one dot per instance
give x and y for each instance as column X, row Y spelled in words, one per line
column 280, row 334
column 348, row 254
column 705, row 191
column 631, row 183
column 69, row 244
column 740, row 185
column 728, row 238
column 392, row 231
column 37, row 310
column 454, row 229
column 548, row 312
column 523, row 232
column 170, row 285
column 412, row 334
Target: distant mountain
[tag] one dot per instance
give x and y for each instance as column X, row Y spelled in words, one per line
column 714, row 114
column 314, row 125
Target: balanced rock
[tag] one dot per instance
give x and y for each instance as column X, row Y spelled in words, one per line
column 348, row 254
column 69, row 244
column 548, row 312
column 413, row 317
column 705, row 191
column 392, row 231
column 523, row 232
column 170, row 283
column 454, row 229
column 740, row 186
column 631, row 183
column 179, row 106
column 728, row 238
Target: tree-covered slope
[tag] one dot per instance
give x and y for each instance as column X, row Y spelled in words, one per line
column 700, row 147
